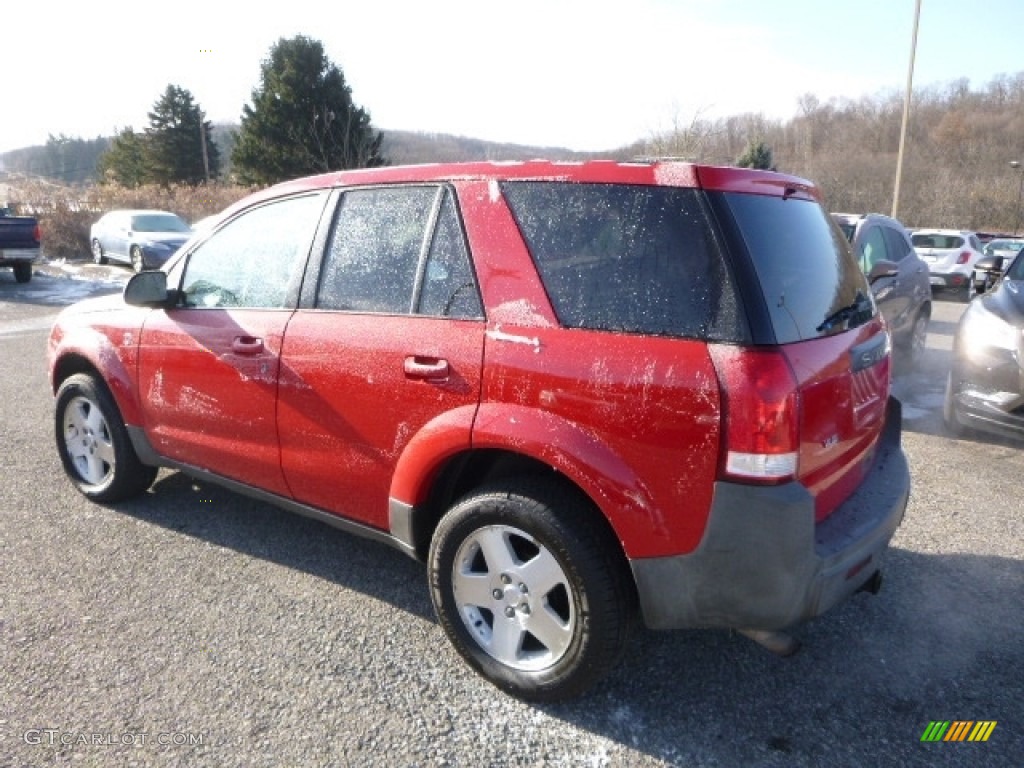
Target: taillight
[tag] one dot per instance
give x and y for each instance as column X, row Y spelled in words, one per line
column 38, row 234
column 760, row 414
column 964, row 257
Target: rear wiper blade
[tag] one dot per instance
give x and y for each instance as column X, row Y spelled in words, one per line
column 860, row 305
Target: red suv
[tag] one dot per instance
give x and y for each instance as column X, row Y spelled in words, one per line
column 582, row 393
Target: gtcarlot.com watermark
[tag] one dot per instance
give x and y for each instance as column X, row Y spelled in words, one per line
column 56, row 737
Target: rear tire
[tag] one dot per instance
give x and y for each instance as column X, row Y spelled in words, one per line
column 918, row 338
column 22, row 272
column 533, row 593
column 97, row 252
column 138, row 262
column 93, row 443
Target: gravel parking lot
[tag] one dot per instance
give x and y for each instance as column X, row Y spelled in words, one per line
column 197, row 627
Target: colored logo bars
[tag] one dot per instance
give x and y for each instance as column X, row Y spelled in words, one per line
column 958, row 730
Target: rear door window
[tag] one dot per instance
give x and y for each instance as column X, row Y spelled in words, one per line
column 399, row 250
column 632, row 259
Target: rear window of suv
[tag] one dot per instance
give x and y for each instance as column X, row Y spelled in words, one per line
column 633, row 259
column 947, row 242
column 805, row 268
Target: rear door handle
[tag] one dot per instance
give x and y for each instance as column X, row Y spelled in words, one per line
column 247, row 345
column 426, row 368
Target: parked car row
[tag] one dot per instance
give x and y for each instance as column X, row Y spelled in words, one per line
column 985, row 384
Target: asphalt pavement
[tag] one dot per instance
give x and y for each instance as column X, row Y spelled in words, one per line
column 193, row 626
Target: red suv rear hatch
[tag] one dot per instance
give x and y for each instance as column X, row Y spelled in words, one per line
column 844, row 387
column 816, row 311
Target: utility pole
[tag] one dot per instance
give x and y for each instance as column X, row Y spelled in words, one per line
column 1015, row 164
column 202, row 143
column 906, row 112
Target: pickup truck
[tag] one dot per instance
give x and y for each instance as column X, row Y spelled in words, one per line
column 19, row 243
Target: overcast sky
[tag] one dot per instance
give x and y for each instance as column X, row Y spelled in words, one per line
column 579, row 74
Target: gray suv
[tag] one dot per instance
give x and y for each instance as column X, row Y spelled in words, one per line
column 898, row 276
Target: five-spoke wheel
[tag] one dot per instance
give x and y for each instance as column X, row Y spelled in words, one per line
column 532, row 588
column 93, row 442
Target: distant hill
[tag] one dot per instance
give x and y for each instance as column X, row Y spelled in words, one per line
column 410, row 147
column 74, row 160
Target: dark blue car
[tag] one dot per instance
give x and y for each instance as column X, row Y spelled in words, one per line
column 144, row 239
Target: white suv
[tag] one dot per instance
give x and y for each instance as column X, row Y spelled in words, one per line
column 950, row 255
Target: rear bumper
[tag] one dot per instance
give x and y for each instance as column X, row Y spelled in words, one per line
column 11, row 256
column 764, row 564
column 956, row 279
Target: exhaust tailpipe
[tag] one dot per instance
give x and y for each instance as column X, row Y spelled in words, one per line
column 873, row 584
column 779, row 643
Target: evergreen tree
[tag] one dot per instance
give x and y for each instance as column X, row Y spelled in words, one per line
column 125, row 162
column 757, row 155
column 179, row 146
column 69, row 159
column 302, row 119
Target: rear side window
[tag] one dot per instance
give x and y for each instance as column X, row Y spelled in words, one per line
column 633, row 259
column 899, row 247
column 804, row 266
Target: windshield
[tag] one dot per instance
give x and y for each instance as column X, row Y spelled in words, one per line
column 159, row 222
column 1016, row 270
column 1004, row 245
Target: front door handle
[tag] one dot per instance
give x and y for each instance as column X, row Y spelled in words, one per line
column 426, row 368
column 247, row 345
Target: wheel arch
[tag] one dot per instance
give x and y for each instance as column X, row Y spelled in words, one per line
column 508, row 447
column 103, row 363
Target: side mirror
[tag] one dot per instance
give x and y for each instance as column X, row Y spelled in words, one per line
column 148, row 289
column 883, row 269
column 986, row 271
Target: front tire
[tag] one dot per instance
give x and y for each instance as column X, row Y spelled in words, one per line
column 138, row 262
column 531, row 590
column 949, row 415
column 93, row 443
column 968, row 292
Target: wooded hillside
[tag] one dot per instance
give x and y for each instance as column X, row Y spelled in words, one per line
column 956, row 170
column 956, row 173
